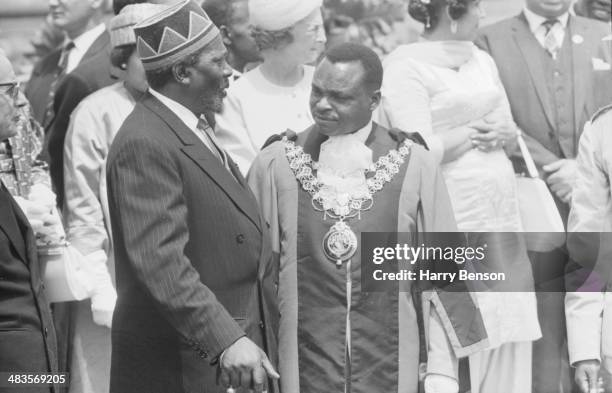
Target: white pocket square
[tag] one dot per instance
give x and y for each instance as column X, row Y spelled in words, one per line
column 600, row 65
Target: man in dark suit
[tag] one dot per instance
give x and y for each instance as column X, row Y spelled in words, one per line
column 68, row 74
column 81, row 21
column 27, row 336
column 545, row 60
column 196, row 279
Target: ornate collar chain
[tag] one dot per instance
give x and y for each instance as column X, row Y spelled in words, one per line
column 340, row 242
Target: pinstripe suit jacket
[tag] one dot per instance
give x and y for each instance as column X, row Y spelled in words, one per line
column 195, row 270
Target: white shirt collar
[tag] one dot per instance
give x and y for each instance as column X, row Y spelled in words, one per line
column 363, row 133
column 535, row 21
column 82, row 44
column 186, row 116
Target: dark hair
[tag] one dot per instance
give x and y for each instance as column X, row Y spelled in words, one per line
column 119, row 4
column 219, row 11
column 120, row 54
column 158, row 78
column 429, row 14
column 349, row 52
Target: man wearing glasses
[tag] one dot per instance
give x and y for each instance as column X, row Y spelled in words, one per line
column 27, row 335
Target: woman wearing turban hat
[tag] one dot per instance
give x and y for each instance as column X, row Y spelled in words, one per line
column 273, row 97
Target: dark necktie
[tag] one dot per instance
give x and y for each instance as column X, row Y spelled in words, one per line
column 60, row 72
column 208, row 134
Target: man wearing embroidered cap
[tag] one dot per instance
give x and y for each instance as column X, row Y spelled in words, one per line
column 375, row 343
column 93, row 124
column 196, row 303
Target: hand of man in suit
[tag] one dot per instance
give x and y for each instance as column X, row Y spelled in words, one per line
column 587, row 375
column 561, row 178
column 244, row 364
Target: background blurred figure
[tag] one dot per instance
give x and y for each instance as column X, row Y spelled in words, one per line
column 545, row 61
column 27, row 335
column 232, row 19
column 449, row 90
column 86, row 37
column 93, row 125
column 589, row 314
column 89, row 76
column 47, row 39
column 594, row 9
column 273, row 96
column 380, row 25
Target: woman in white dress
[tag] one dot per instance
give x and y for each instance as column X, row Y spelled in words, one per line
column 449, row 91
column 273, row 97
column 93, row 126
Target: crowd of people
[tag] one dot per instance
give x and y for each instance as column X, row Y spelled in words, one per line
column 209, row 168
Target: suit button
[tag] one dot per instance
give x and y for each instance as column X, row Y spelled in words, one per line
column 203, row 354
column 240, row 238
column 46, row 332
column 261, row 324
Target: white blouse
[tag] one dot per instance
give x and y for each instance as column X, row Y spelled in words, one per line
column 256, row 109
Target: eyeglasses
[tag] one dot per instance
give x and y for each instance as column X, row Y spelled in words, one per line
column 11, row 89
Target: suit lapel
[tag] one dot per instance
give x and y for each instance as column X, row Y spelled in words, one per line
column 9, row 223
column 49, row 64
column 101, row 43
column 193, row 148
column 532, row 54
column 581, row 60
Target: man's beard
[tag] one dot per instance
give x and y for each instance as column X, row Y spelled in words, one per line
column 212, row 98
column 213, row 104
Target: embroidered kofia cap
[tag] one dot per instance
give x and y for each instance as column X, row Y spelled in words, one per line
column 274, row 15
column 174, row 33
column 121, row 27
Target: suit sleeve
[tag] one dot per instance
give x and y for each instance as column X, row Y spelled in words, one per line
column 149, row 222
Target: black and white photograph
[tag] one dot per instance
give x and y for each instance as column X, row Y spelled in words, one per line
column 305, row 196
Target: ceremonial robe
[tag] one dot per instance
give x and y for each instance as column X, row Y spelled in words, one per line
column 386, row 339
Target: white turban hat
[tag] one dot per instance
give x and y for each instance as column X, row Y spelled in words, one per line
column 274, row 15
column 121, row 27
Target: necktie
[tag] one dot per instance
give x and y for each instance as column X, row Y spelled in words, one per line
column 214, row 147
column 550, row 41
column 60, row 72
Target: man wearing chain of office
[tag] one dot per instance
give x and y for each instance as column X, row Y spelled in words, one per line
column 319, row 189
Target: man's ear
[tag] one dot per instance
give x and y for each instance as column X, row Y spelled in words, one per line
column 181, row 73
column 375, row 98
column 226, row 36
column 100, row 5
